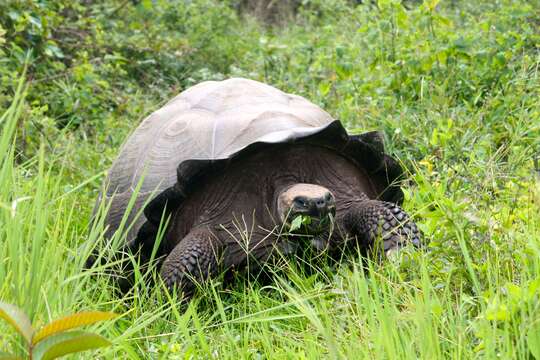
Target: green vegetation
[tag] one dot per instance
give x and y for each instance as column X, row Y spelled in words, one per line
column 58, row 338
column 455, row 87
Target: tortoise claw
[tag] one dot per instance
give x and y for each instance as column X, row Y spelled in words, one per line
column 373, row 219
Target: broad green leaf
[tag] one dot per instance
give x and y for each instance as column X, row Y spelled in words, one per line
column 7, row 356
column 324, row 88
column 296, row 223
column 147, row 4
column 17, row 319
column 65, row 343
column 533, row 340
column 497, row 312
column 514, row 291
column 71, row 322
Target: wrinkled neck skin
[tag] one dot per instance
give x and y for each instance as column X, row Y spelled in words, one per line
column 239, row 204
column 281, row 210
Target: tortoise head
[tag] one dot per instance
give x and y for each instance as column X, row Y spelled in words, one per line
column 313, row 202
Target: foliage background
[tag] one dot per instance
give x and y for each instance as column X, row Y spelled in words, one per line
column 454, row 85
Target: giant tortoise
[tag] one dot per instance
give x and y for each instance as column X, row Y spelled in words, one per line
column 230, row 165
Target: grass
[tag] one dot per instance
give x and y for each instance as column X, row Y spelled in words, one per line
column 473, row 187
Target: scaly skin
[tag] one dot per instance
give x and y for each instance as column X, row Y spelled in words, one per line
column 373, row 219
column 192, row 261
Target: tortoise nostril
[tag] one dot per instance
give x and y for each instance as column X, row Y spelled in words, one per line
column 320, row 202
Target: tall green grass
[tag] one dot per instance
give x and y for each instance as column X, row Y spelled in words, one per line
column 480, row 302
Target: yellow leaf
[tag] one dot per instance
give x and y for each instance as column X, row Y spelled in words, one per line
column 497, row 312
column 427, row 164
column 433, row 4
column 6, row 356
column 71, row 322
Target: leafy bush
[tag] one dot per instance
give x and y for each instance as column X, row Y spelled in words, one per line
column 85, row 58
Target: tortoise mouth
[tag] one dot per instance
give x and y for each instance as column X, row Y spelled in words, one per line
column 308, row 233
column 302, row 223
column 308, row 224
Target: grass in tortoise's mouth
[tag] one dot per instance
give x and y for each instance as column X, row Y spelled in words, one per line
column 309, row 225
column 305, row 229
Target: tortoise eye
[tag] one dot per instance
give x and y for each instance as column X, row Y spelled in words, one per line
column 301, row 202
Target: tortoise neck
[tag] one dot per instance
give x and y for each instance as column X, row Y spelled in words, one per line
column 281, row 186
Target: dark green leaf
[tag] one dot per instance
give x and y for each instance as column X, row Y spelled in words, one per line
column 65, row 343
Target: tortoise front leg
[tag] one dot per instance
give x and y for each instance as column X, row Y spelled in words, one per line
column 371, row 220
column 192, row 261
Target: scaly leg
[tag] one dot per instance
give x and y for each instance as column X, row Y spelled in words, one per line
column 373, row 219
column 193, row 260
